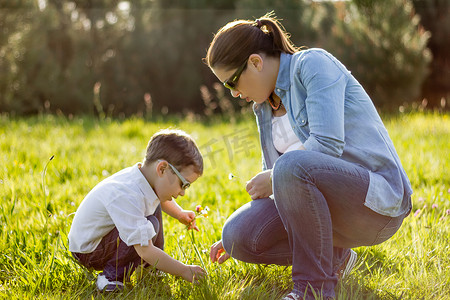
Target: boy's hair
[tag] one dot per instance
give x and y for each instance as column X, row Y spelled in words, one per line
column 176, row 147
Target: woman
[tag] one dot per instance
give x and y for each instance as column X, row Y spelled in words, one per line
column 331, row 177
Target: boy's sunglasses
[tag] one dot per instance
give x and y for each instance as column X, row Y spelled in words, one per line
column 231, row 82
column 184, row 183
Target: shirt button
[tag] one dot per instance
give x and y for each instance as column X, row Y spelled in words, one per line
column 303, row 121
column 278, row 90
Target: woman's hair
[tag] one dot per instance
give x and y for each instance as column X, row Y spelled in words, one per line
column 237, row 40
column 176, row 147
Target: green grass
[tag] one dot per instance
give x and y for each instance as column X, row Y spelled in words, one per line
column 36, row 210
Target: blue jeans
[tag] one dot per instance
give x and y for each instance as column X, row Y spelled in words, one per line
column 114, row 257
column 317, row 214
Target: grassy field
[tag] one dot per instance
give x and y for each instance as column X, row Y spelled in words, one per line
column 39, row 197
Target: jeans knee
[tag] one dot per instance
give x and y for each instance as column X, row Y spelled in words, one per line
column 291, row 171
column 229, row 237
column 235, row 237
column 283, row 170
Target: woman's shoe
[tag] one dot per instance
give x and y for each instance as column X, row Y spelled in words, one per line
column 348, row 265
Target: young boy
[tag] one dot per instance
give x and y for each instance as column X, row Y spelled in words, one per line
column 118, row 225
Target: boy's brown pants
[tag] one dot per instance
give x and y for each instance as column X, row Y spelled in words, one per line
column 114, row 257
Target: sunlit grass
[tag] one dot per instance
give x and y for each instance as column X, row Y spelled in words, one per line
column 36, row 210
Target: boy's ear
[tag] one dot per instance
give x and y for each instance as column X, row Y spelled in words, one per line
column 160, row 167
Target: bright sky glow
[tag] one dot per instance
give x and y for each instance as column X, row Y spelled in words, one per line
column 124, row 5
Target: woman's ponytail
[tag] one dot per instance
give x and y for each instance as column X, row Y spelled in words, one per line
column 237, row 40
column 281, row 39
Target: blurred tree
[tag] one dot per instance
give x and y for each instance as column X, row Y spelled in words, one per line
column 174, row 36
column 435, row 17
column 16, row 19
column 121, row 58
column 382, row 43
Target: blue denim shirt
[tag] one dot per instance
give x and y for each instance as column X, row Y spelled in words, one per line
column 331, row 113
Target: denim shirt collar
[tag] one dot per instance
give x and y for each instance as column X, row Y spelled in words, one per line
column 283, row 80
column 284, row 72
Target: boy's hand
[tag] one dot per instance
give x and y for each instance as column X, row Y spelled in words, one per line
column 161, row 260
column 193, row 273
column 187, row 217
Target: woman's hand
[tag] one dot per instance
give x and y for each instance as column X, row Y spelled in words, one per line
column 216, row 253
column 260, row 186
column 187, row 217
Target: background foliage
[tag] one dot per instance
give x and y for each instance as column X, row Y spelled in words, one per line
column 435, row 17
column 144, row 57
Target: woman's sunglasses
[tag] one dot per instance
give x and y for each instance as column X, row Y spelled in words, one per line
column 231, row 82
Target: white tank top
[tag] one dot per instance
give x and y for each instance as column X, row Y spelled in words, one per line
column 284, row 138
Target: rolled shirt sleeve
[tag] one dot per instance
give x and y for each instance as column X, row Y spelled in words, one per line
column 142, row 234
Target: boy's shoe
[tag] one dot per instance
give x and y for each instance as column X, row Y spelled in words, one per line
column 292, row 296
column 348, row 265
column 106, row 285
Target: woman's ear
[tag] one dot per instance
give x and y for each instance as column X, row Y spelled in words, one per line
column 256, row 61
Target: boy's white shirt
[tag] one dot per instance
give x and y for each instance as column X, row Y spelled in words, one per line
column 122, row 200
